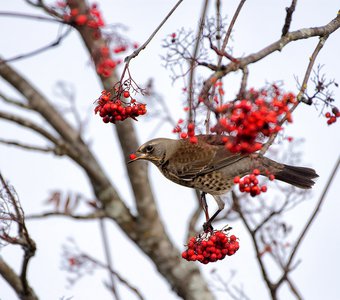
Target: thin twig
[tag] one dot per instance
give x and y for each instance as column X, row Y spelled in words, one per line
column 53, row 44
column 30, row 147
column 230, row 28
column 136, row 52
column 115, row 273
column 91, row 216
column 14, row 102
column 312, row 59
column 245, row 74
column 27, row 16
column 28, row 245
column 221, row 52
column 303, row 33
column 31, row 125
column 265, row 275
column 290, row 10
column 108, row 258
column 14, row 281
column 313, row 216
column 293, row 288
column 193, row 60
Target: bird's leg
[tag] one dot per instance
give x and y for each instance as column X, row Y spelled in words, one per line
column 207, row 225
column 204, row 205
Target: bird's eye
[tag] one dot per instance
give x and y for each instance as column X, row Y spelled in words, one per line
column 149, row 148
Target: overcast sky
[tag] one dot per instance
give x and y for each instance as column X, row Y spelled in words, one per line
column 35, row 175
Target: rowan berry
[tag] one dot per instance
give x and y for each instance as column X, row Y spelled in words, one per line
column 126, row 94
column 81, row 20
column 133, row 156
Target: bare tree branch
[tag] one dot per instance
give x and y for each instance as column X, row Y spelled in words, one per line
column 312, row 59
column 28, row 245
column 30, row 16
column 116, row 274
column 108, row 258
column 290, row 10
column 300, row 34
column 31, row 147
column 265, row 275
column 136, row 52
column 98, row 214
column 15, row 281
column 311, row 219
column 55, row 43
column 13, row 101
column 230, row 29
column 193, row 60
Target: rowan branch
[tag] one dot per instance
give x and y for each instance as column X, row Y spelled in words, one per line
column 15, row 282
column 38, row 102
column 136, row 52
column 13, row 101
column 311, row 220
column 54, row 150
column 98, row 214
column 244, row 81
column 31, row 125
column 30, row 16
column 116, row 274
column 193, row 60
column 108, row 258
column 230, row 29
column 312, row 59
column 300, row 34
column 265, row 275
column 290, row 10
column 55, row 43
column 28, row 245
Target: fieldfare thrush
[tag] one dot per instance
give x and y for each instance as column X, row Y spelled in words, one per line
column 210, row 168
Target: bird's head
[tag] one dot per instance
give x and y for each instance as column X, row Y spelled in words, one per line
column 156, row 151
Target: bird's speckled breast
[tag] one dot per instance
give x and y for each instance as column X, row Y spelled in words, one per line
column 214, row 183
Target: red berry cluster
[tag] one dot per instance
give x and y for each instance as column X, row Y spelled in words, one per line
column 211, row 247
column 177, row 128
column 249, row 119
column 250, row 183
column 106, row 64
column 119, row 49
column 116, row 110
column 332, row 116
column 190, row 133
column 92, row 19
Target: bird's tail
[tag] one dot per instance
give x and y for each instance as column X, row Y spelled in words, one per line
column 298, row 176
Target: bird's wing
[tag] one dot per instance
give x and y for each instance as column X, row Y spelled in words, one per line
column 192, row 160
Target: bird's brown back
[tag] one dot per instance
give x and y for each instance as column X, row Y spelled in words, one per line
column 207, row 165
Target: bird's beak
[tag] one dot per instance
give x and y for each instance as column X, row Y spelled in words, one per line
column 136, row 156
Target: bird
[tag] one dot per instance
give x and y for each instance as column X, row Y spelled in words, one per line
column 210, row 167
